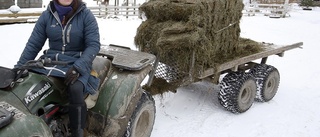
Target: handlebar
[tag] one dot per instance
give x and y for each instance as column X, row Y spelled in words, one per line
column 41, row 63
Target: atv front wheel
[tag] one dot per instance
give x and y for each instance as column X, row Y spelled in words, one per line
column 237, row 92
column 143, row 117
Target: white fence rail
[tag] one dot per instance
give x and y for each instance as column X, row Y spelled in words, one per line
column 271, row 10
column 112, row 11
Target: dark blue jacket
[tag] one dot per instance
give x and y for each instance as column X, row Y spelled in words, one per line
column 77, row 43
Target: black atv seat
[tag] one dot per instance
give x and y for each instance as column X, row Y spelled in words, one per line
column 101, row 65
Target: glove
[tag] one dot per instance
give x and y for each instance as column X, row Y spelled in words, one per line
column 71, row 76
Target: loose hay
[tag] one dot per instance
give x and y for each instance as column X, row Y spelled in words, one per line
column 175, row 30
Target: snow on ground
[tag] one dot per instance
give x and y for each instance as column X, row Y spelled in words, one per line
column 194, row 110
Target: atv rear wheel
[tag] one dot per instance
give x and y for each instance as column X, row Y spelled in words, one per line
column 143, row 117
column 267, row 80
column 237, row 92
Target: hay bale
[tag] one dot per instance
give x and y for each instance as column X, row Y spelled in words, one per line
column 177, row 29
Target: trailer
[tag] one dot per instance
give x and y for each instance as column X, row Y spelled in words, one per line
column 245, row 79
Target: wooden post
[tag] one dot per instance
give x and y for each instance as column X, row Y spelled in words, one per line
column 127, row 8
column 134, row 4
column 286, row 8
column 116, row 3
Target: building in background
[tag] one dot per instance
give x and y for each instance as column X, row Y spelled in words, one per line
column 5, row 4
column 29, row 3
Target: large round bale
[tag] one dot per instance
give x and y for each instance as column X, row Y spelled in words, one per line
column 178, row 30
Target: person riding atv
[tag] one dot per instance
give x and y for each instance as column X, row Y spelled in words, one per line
column 73, row 35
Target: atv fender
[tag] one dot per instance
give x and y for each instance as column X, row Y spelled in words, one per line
column 117, row 100
column 28, row 126
column 23, row 123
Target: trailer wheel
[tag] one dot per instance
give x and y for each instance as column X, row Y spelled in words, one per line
column 267, row 80
column 142, row 120
column 237, row 92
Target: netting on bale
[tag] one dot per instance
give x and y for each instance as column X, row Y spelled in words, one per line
column 190, row 36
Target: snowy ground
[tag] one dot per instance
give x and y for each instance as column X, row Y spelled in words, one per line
column 194, row 110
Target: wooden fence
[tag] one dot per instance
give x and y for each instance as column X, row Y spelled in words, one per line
column 100, row 11
column 103, row 11
column 20, row 17
column 115, row 11
column 271, row 10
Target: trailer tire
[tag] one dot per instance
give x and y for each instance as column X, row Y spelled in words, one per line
column 267, row 80
column 142, row 120
column 237, row 92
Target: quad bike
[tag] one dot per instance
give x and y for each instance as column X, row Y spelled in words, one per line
column 33, row 105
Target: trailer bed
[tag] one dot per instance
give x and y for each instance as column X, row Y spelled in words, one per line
column 268, row 50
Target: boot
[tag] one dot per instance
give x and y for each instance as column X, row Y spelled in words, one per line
column 77, row 132
column 77, row 118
